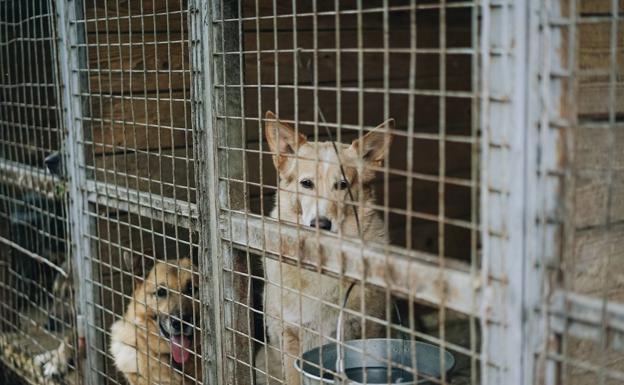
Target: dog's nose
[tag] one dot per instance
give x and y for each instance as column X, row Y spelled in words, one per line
column 322, row 222
column 178, row 323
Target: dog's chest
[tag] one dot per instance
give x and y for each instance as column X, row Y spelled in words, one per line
column 301, row 296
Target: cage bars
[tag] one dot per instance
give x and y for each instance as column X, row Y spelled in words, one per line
column 521, row 137
column 255, row 233
column 34, row 216
column 205, row 150
column 71, row 58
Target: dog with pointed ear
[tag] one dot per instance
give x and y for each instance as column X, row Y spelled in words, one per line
column 138, row 265
column 320, row 183
column 156, row 341
column 317, row 179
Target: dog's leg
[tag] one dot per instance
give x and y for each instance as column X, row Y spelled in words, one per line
column 291, row 351
column 132, row 378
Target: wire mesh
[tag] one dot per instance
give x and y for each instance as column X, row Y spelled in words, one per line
column 144, row 322
column 292, row 244
column 37, row 316
column 300, row 242
column 586, row 347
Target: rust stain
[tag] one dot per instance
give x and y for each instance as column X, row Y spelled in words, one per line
column 441, row 288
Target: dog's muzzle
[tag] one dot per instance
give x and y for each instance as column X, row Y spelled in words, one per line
column 175, row 325
column 179, row 331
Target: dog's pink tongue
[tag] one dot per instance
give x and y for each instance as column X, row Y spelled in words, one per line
column 179, row 348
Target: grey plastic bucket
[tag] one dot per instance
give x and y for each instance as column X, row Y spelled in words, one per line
column 371, row 356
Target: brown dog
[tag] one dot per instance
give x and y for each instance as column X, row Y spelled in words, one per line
column 155, row 343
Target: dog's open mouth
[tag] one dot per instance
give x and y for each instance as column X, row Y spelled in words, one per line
column 180, row 342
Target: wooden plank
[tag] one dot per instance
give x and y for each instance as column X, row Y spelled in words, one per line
column 305, row 20
column 426, row 109
column 583, row 319
column 174, row 212
column 595, row 59
column 427, row 73
column 156, row 173
column 411, row 273
column 593, row 269
column 428, row 36
column 114, row 16
column 235, row 273
column 135, row 63
column 591, row 151
column 587, row 317
column 594, row 41
column 591, row 200
column 593, row 99
column 204, row 150
column 372, row 17
column 136, row 123
column 592, row 162
column 592, row 7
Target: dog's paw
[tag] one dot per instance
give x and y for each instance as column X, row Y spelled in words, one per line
column 53, row 364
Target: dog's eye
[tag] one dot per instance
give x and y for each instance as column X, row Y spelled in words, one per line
column 161, row 292
column 343, row 184
column 307, row 183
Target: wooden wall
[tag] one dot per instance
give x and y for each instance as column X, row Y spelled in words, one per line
column 29, row 129
column 592, row 159
column 594, row 55
column 592, row 263
column 264, row 68
column 139, row 84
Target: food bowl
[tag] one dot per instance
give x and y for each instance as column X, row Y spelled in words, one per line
column 376, row 361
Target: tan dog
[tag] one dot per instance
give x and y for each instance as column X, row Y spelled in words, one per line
column 315, row 194
column 155, row 343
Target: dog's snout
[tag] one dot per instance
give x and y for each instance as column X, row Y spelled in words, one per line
column 178, row 323
column 322, row 222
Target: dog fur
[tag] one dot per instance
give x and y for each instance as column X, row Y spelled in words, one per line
column 58, row 362
column 162, row 310
column 298, row 303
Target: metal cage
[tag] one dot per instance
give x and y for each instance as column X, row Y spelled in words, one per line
column 145, row 185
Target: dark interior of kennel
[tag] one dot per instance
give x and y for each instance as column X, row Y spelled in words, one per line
column 36, row 303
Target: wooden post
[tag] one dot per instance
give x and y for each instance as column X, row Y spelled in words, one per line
column 216, row 98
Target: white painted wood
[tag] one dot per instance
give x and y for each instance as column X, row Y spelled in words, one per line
column 410, row 274
column 505, row 169
column 581, row 316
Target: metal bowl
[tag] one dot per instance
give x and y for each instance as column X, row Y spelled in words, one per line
column 375, row 357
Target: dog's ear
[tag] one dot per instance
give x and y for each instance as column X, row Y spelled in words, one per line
column 138, row 265
column 373, row 147
column 282, row 139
